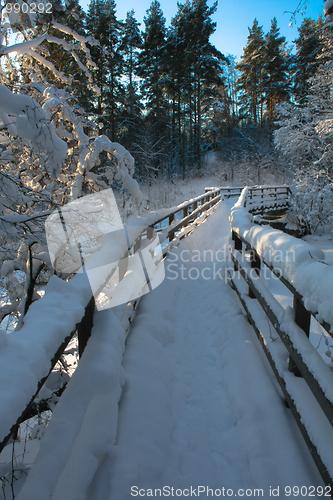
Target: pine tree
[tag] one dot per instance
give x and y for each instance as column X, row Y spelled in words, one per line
column 131, row 44
column 306, row 63
column 196, row 66
column 152, row 65
column 180, row 82
column 103, row 25
column 251, row 68
column 231, row 78
column 207, row 64
column 276, row 82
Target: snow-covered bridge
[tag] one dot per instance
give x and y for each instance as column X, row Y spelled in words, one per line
column 191, row 407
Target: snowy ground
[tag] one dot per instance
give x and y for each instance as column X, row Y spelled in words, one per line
column 324, row 242
column 199, row 407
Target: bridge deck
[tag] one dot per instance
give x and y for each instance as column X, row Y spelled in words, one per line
column 199, row 407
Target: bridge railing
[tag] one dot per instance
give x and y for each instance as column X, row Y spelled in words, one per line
column 67, row 309
column 261, row 198
column 228, row 191
column 309, row 279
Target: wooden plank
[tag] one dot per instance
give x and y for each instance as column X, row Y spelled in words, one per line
column 172, row 232
column 195, row 211
column 185, row 214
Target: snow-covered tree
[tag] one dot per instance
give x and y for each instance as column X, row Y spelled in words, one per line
column 50, row 154
column 305, row 137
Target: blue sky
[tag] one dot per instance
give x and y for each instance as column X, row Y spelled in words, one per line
column 233, row 17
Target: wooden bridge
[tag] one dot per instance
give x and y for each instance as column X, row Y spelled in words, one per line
column 305, row 379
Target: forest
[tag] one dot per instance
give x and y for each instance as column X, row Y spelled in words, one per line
column 89, row 101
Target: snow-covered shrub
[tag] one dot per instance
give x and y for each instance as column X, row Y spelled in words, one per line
column 305, row 137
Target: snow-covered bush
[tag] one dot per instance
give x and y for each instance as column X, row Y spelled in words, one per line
column 305, row 137
column 50, row 153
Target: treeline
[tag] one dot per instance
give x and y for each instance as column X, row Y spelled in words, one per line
column 169, row 96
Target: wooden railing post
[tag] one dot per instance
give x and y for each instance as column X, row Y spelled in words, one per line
column 185, row 214
column 255, row 264
column 237, row 244
column 150, row 233
column 195, row 206
column 137, row 247
column 172, row 233
column 85, row 326
column 303, row 320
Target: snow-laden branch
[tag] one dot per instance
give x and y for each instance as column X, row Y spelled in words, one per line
column 89, row 157
column 30, row 47
column 80, row 38
column 20, row 48
column 33, row 123
column 48, row 65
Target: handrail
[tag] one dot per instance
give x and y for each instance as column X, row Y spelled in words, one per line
column 195, row 209
column 207, row 201
column 294, row 332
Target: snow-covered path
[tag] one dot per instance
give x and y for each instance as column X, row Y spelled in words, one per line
column 200, row 406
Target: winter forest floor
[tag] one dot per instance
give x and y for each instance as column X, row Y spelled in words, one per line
column 200, row 405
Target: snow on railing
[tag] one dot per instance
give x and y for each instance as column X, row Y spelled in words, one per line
column 301, row 268
column 299, row 263
column 28, row 356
